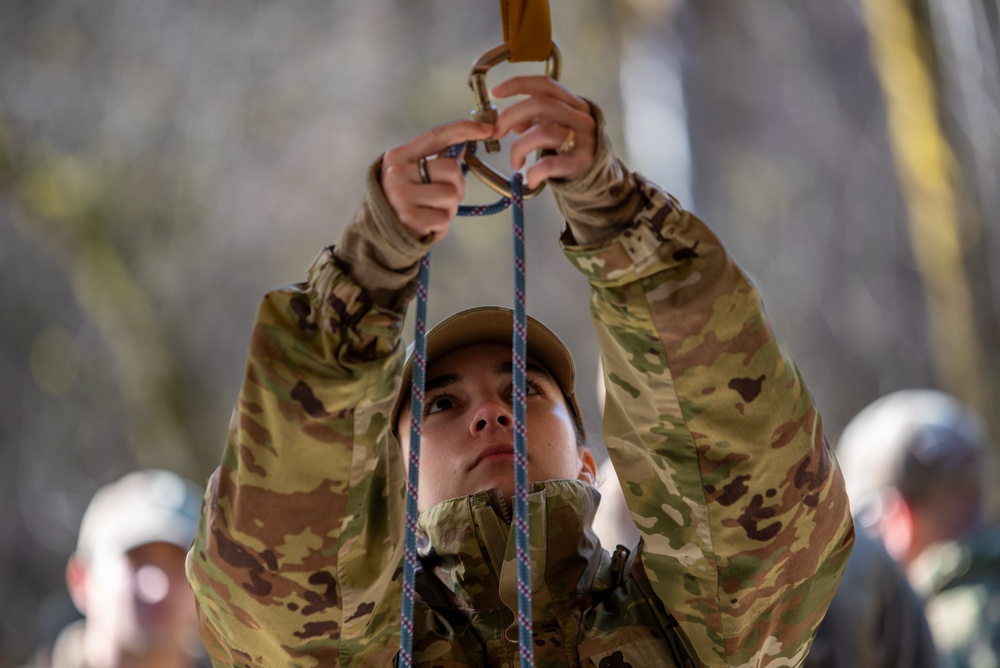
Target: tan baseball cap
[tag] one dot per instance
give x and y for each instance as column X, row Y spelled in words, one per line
column 495, row 324
column 149, row 506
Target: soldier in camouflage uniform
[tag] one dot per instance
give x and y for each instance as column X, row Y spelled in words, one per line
column 744, row 519
column 127, row 578
column 916, row 462
column 876, row 620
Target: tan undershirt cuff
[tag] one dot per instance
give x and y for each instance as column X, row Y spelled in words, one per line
column 383, row 256
column 598, row 204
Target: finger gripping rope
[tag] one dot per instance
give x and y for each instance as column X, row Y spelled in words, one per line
column 518, row 360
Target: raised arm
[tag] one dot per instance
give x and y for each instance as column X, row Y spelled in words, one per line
column 303, row 468
column 301, row 531
column 716, row 441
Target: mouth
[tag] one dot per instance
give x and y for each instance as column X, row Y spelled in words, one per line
column 493, row 453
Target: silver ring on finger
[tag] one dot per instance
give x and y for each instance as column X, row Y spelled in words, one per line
column 425, row 176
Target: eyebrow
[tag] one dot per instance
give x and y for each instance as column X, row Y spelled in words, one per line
column 443, row 380
column 502, row 369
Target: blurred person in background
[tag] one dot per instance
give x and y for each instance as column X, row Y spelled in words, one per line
column 613, row 521
column 127, row 578
column 876, row 620
column 916, row 463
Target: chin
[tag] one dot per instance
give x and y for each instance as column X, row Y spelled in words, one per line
column 504, row 482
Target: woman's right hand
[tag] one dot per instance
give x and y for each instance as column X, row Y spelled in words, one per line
column 427, row 201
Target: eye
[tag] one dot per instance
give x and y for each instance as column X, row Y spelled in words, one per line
column 442, row 402
column 530, row 388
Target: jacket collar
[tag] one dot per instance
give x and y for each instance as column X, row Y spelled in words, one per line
column 469, row 545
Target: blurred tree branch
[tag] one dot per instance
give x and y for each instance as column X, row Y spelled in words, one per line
column 61, row 202
column 942, row 189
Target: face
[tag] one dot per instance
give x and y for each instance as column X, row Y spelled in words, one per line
column 467, row 442
column 139, row 601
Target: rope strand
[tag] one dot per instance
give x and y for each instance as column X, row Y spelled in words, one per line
column 410, row 560
column 518, row 360
column 519, row 363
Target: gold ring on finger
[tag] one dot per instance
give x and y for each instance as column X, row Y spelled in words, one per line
column 569, row 143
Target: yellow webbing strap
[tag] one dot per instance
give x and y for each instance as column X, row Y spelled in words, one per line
column 527, row 29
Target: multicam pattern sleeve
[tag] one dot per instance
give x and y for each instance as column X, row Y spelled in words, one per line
column 716, row 441
column 308, row 496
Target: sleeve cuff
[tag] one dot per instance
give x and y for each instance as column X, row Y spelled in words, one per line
column 604, row 200
column 382, row 256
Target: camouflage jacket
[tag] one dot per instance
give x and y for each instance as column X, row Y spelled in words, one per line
column 961, row 581
column 720, row 449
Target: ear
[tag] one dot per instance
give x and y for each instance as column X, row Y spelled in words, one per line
column 588, row 466
column 896, row 525
column 76, row 582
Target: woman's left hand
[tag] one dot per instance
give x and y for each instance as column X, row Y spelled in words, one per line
column 550, row 118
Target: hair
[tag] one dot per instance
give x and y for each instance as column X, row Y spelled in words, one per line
column 914, row 445
column 578, row 431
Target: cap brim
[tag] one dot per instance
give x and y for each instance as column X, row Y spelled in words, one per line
column 494, row 324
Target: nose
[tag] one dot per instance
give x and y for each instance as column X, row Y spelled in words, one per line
column 152, row 584
column 491, row 414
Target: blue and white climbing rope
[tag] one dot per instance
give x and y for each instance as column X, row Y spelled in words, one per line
column 518, row 360
column 519, row 363
column 410, row 559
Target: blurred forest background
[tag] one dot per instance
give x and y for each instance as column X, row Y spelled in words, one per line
column 164, row 162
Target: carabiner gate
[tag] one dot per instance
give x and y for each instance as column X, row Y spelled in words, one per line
column 486, row 112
